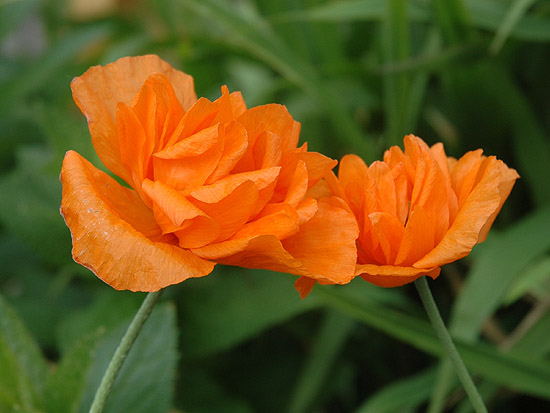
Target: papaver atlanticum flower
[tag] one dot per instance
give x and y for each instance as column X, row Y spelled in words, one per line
column 418, row 209
column 211, row 182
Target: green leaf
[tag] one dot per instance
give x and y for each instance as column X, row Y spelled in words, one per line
column 12, row 13
column 107, row 312
column 499, row 262
column 36, row 76
column 29, row 208
column 504, row 369
column 516, row 11
column 401, row 394
column 328, row 345
column 491, row 15
column 534, row 280
column 352, row 10
column 23, row 369
column 232, row 305
column 481, row 14
column 535, row 343
column 65, row 387
column 146, row 380
column 245, row 29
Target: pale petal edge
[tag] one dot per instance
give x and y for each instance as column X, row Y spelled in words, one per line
column 104, row 218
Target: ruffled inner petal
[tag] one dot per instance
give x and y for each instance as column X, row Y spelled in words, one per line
column 475, row 212
column 216, row 191
column 189, row 163
column 232, row 211
column 235, row 142
column 327, row 251
column 98, row 92
column 418, row 238
column 275, row 119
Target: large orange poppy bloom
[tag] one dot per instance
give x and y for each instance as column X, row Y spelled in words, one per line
column 419, row 209
column 211, row 182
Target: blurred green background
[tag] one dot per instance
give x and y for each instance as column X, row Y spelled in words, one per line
column 358, row 75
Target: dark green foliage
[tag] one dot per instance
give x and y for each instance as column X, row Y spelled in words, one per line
column 358, row 75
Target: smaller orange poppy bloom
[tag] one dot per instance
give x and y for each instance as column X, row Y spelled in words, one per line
column 419, row 209
column 209, row 182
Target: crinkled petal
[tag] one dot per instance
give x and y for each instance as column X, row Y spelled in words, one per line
column 418, row 238
column 275, row 119
column 98, row 91
column 477, row 208
column 263, row 252
column 232, row 211
column 304, row 285
column 115, row 235
column 505, row 186
column 393, row 276
column 352, row 169
column 326, row 243
column 235, row 143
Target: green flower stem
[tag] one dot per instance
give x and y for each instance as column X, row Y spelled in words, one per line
column 122, row 351
column 444, row 337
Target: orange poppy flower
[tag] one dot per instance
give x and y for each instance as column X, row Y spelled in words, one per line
column 418, row 210
column 211, row 182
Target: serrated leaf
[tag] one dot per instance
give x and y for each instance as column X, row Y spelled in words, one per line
column 65, row 387
column 23, row 367
column 146, row 381
column 108, row 311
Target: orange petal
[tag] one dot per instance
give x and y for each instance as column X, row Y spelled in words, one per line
column 174, row 206
column 306, row 209
column 325, row 253
column 391, row 276
column 334, row 185
column 317, row 166
column 389, row 231
column 298, row 185
column 235, row 143
column 352, row 169
column 382, row 176
column 189, row 163
column 275, row 119
column 505, row 186
column 237, row 104
column 281, row 223
column 326, row 243
column 232, row 211
column 175, row 214
column 263, row 251
column 304, row 285
column 418, row 238
column 98, row 91
column 464, row 174
column 115, row 235
column 475, row 212
column 438, row 152
column 159, row 110
column 218, row 190
column 132, row 141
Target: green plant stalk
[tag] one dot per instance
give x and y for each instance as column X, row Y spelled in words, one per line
column 122, row 351
column 444, row 337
